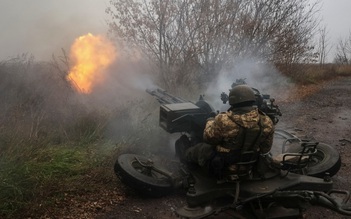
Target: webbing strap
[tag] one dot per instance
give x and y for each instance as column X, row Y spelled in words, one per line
column 244, row 141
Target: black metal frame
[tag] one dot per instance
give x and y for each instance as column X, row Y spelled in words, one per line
column 287, row 188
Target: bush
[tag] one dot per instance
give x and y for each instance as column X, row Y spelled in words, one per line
column 47, row 135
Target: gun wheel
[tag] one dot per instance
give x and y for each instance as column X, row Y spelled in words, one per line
column 326, row 160
column 136, row 171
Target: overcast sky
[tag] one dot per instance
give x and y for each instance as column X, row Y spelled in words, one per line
column 43, row 27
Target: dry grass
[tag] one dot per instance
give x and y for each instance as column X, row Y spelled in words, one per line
column 343, row 70
column 54, row 152
column 306, row 74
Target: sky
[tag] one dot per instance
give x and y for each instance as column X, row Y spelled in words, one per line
column 44, row 27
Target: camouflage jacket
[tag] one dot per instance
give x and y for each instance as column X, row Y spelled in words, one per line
column 225, row 130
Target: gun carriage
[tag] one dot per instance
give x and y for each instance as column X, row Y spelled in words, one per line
column 301, row 174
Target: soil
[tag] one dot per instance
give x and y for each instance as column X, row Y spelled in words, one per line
column 325, row 116
column 322, row 112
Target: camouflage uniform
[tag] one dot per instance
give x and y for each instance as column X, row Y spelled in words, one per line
column 241, row 128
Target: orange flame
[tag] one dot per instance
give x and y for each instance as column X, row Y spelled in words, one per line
column 91, row 56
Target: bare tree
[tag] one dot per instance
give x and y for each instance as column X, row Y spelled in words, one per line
column 323, row 45
column 161, row 30
column 343, row 51
column 189, row 40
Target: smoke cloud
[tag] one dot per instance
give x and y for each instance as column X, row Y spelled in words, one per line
column 52, row 26
column 262, row 76
column 43, row 28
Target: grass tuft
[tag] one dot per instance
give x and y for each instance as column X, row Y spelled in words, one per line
column 46, row 174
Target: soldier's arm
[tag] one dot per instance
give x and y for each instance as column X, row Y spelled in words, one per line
column 212, row 132
column 267, row 143
column 268, row 135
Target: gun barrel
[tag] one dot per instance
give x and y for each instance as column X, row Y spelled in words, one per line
column 163, row 97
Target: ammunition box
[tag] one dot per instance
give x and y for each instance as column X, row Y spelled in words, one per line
column 180, row 117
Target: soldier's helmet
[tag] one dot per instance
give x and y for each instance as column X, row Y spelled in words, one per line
column 241, row 94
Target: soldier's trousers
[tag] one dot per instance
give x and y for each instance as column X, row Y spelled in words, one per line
column 199, row 154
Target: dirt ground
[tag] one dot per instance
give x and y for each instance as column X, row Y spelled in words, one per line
column 326, row 116
column 322, row 112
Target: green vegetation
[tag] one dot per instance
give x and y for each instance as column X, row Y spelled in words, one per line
column 44, row 174
column 22, row 178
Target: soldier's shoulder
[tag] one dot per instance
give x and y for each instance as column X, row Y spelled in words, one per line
column 222, row 116
column 266, row 121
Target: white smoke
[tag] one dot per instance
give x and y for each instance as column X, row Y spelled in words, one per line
column 257, row 74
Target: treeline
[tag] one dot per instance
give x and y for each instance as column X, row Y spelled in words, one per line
column 343, row 51
column 191, row 42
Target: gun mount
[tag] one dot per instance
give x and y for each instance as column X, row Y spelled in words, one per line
column 179, row 115
column 282, row 192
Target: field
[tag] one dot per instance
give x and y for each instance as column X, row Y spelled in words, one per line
column 57, row 148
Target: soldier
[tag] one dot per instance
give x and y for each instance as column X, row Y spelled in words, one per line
column 242, row 128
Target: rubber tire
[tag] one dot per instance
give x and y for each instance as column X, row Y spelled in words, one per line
column 328, row 157
column 147, row 185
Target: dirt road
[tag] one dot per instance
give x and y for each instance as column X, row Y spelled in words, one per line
column 324, row 115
